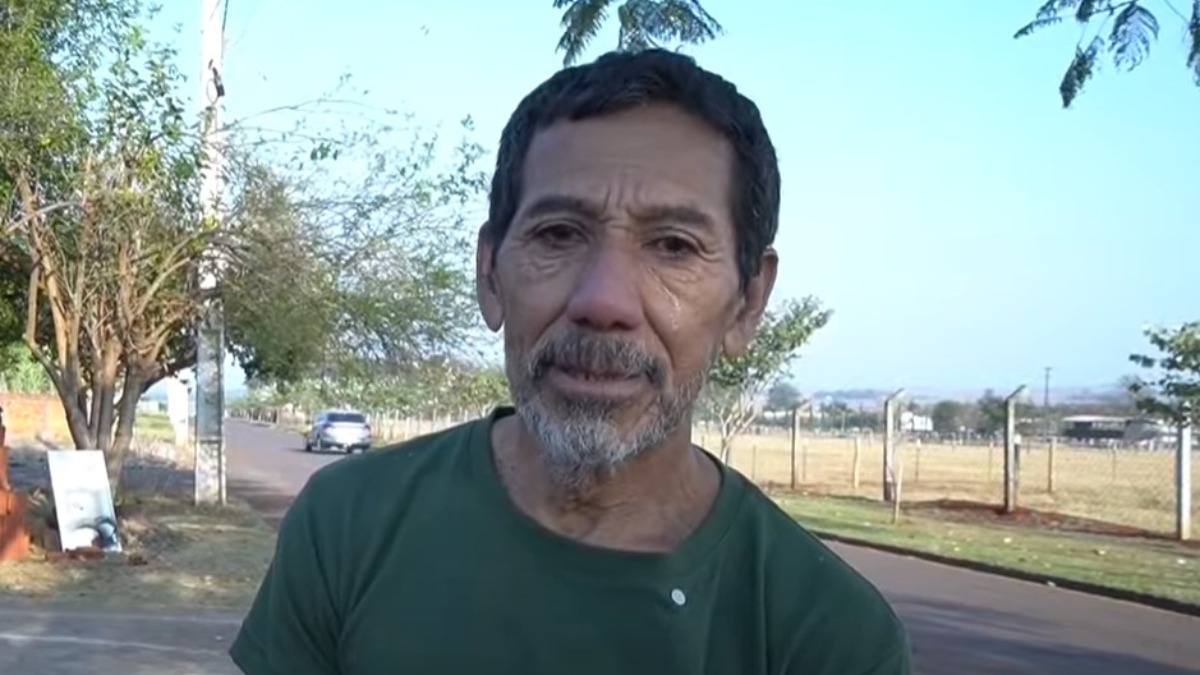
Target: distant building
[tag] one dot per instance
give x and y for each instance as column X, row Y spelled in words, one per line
column 1112, row 428
column 1094, row 427
column 914, row 423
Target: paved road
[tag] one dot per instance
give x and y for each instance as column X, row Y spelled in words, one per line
column 960, row 621
column 39, row 640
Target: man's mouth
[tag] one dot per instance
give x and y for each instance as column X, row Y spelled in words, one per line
column 593, row 375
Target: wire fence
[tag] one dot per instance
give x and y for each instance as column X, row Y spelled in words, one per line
column 1124, row 486
column 1119, row 488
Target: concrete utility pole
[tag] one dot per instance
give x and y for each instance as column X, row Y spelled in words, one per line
column 889, row 445
column 1011, row 459
column 1183, row 478
column 210, row 338
column 1046, row 406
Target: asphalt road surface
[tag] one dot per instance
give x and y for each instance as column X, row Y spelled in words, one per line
column 960, row 621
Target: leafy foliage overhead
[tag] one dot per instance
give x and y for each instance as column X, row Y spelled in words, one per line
column 1121, row 29
column 356, row 257
column 643, row 24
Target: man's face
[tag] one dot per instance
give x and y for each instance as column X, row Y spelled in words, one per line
column 617, row 283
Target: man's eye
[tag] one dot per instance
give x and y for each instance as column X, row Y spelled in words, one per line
column 675, row 247
column 558, row 234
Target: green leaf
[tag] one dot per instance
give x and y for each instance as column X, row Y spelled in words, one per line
column 1036, row 25
column 1173, row 393
column 1133, row 30
column 1193, row 30
column 581, row 22
column 642, row 24
column 1080, row 70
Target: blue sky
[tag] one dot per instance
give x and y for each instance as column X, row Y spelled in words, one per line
column 964, row 228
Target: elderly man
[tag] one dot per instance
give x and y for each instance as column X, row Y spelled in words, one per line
column 628, row 245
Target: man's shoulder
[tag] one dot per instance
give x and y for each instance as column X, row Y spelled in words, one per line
column 386, row 470
column 793, row 548
column 818, row 598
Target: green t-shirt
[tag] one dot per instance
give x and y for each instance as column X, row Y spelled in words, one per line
column 414, row 560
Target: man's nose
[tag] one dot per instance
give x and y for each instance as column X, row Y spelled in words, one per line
column 606, row 296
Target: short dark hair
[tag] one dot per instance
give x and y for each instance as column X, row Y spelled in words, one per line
column 621, row 80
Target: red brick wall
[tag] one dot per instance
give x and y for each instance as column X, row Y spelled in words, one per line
column 34, row 416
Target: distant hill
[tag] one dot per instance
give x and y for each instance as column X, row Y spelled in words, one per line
column 1101, row 394
column 852, row 395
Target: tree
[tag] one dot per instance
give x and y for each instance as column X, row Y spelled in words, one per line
column 992, row 414
column 643, row 24
column 355, row 262
column 783, row 396
column 1122, row 29
column 949, row 417
column 99, row 179
column 1174, row 393
column 735, row 383
column 332, row 271
column 483, row 388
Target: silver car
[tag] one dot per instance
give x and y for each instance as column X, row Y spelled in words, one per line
column 344, row 430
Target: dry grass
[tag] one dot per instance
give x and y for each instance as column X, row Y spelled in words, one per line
column 176, row 555
column 1135, row 488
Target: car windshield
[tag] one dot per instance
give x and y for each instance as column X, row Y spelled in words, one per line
column 345, row 418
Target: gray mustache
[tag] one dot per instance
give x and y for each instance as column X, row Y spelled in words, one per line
column 597, row 355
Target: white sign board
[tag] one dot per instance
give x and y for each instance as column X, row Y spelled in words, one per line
column 83, row 500
column 179, row 408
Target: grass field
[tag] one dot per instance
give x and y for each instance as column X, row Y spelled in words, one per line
column 1134, row 488
column 1155, row 567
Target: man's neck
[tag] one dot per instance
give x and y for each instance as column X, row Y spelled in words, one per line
column 651, row 503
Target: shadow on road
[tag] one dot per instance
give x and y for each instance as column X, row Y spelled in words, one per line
column 39, row 641
column 267, row 501
column 950, row 638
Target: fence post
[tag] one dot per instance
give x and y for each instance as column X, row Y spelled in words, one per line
column 1050, row 466
column 898, row 465
column 795, row 433
column 889, row 445
column 917, row 464
column 1183, row 483
column 854, row 473
column 1011, row 479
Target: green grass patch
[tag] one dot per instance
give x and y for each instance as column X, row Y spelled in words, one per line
column 153, row 426
column 1156, row 567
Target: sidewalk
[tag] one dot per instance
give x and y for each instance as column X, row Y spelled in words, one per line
column 43, row 640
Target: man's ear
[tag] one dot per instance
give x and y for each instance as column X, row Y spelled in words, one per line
column 755, row 297
column 487, row 289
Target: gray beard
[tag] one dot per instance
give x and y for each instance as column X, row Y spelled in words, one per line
column 580, row 440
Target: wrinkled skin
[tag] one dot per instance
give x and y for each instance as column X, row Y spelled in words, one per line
column 617, row 286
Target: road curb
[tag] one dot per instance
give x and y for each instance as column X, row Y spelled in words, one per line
column 1154, row 601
